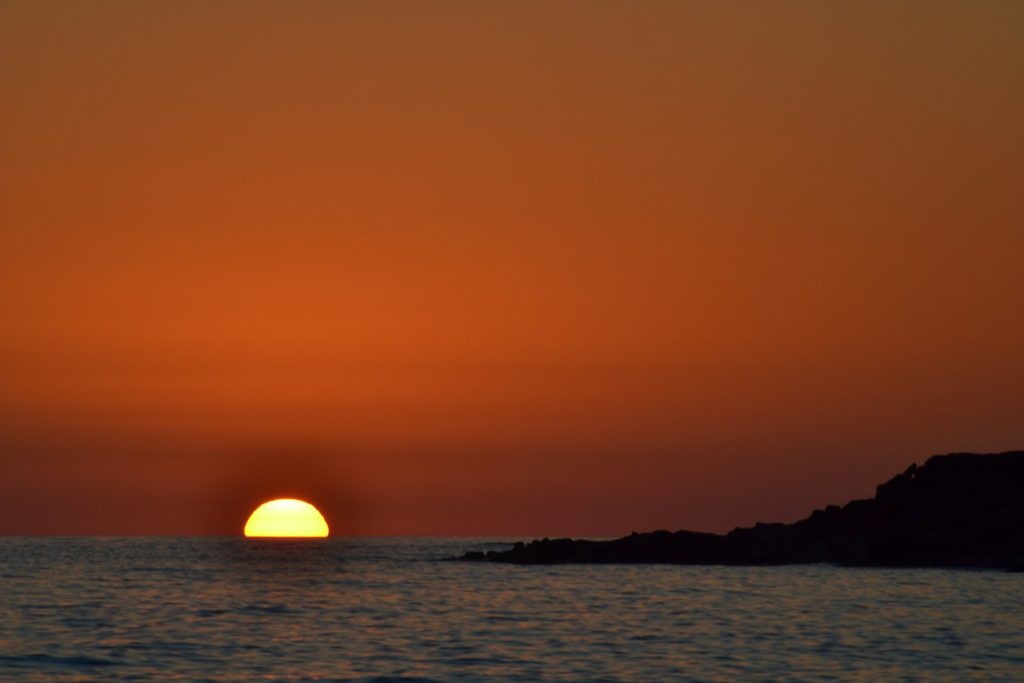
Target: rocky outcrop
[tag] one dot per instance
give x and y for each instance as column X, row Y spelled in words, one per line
column 957, row 510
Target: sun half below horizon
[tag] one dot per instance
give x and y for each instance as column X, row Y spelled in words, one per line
column 286, row 518
column 500, row 269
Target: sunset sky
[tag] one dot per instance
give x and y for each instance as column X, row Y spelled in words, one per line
column 501, row 268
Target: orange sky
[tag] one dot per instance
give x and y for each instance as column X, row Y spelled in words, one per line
column 501, row 268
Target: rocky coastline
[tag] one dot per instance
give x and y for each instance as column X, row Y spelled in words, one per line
column 955, row 510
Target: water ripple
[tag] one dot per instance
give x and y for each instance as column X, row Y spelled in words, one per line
column 227, row 610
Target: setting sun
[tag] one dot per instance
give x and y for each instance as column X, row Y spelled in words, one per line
column 286, row 518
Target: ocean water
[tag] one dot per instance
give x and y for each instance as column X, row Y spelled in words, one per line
column 85, row 609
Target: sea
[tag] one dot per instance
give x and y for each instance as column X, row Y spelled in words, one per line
column 397, row 609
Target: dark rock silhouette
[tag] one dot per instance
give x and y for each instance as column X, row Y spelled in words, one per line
column 957, row 510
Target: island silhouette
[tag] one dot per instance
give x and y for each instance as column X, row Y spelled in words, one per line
column 956, row 510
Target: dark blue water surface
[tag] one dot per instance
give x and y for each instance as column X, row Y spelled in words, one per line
column 83, row 609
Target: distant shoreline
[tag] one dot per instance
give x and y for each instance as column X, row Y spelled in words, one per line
column 960, row 510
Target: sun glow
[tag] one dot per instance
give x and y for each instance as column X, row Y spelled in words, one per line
column 286, row 518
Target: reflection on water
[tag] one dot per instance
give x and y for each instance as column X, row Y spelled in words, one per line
column 238, row 610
